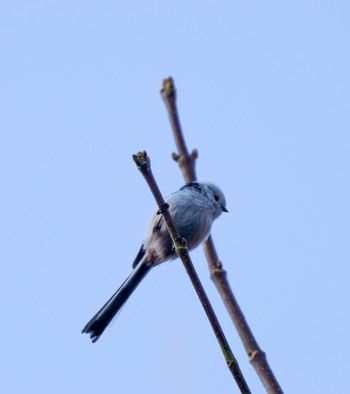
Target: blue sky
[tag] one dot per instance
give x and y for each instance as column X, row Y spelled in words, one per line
column 263, row 93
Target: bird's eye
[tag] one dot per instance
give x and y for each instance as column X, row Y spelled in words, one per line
column 216, row 197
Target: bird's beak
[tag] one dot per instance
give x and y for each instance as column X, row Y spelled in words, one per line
column 224, row 209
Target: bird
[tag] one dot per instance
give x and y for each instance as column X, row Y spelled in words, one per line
column 193, row 208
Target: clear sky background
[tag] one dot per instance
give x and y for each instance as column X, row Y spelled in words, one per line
column 263, row 92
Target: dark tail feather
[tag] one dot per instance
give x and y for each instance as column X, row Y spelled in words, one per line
column 104, row 316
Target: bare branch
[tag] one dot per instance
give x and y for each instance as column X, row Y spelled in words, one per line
column 143, row 164
column 186, row 162
column 218, row 275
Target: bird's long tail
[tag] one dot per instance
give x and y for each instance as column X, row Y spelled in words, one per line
column 104, row 316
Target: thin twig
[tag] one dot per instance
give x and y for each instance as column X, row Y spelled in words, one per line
column 218, row 275
column 143, row 164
